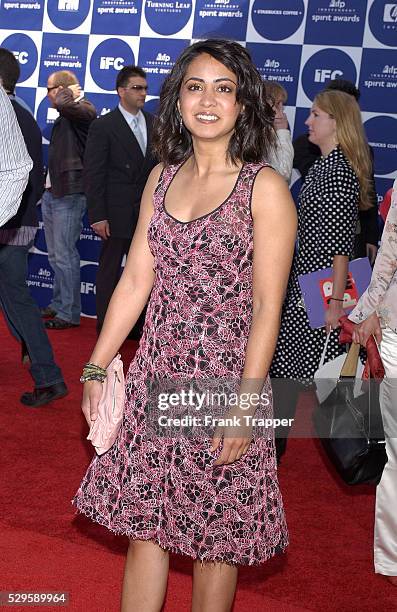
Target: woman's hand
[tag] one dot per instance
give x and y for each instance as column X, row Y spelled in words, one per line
column 91, row 396
column 236, row 437
column 332, row 315
column 369, row 327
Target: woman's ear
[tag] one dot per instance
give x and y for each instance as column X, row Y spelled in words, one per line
column 178, row 106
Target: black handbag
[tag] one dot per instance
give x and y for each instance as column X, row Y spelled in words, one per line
column 350, row 428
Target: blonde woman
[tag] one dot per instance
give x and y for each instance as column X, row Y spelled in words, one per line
column 336, row 185
column 376, row 314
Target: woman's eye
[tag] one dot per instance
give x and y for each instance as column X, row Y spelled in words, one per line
column 225, row 88
column 194, row 87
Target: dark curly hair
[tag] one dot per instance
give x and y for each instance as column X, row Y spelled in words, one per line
column 9, row 70
column 253, row 136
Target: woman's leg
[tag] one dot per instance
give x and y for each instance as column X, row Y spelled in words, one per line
column 145, row 577
column 214, row 585
column 386, row 493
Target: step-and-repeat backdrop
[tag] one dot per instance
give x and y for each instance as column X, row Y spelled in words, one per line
column 299, row 43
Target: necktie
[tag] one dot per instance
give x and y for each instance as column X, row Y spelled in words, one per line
column 138, row 134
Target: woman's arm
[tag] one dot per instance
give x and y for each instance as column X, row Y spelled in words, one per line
column 384, row 273
column 336, row 235
column 384, row 269
column 284, row 154
column 275, row 226
column 335, row 310
column 128, row 300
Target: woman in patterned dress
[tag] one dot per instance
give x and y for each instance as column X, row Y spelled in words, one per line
column 335, row 187
column 214, row 312
column 376, row 315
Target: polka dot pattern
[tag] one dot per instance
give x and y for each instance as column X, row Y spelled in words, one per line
column 328, row 211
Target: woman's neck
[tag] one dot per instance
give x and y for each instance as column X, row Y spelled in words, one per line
column 210, row 157
column 327, row 149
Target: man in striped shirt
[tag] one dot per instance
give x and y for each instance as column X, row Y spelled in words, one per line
column 16, row 237
column 15, row 163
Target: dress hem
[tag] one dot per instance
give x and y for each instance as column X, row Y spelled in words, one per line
column 274, row 550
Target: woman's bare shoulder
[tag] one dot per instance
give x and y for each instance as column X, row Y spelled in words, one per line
column 271, row 185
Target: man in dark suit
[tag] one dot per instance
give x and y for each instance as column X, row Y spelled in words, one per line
column 16, row 237
column 117, row 163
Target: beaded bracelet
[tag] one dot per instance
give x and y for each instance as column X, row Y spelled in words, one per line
column 91, row 371
column 336, row 299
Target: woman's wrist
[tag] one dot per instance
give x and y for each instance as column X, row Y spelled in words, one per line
column 92, row 371
column 335, row 299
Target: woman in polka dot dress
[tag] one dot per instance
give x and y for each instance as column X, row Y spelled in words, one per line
column 336, row 186
column 215, row 223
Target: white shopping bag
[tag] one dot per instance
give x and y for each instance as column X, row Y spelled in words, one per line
column 327, row 375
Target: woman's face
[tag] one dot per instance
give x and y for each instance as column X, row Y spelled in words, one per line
column 207, row 98
column 322, row 128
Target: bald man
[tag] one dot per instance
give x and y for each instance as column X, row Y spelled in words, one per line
column 63, row 202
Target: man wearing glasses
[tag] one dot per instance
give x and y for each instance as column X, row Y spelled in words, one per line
column 117, row 163
column 63, row 203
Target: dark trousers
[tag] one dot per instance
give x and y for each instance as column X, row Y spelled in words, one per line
column 108, row 275
column 23, row 315
column 286, row 394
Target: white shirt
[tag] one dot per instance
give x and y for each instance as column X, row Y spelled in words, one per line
column 141, row 121
column 282, row 157
column 15, row 163
column 381, row 294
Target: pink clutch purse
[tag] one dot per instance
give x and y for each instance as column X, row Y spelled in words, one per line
column 104, row 430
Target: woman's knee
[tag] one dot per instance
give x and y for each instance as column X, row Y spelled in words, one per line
column 147, row 548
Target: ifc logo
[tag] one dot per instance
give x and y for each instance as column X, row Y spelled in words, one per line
column 25, row 51
column 107, row 60
column 88, row 289
column 326, row 65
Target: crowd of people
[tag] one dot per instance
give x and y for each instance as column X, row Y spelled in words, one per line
column 197, row 198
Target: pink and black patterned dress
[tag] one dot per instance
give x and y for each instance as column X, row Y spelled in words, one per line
column 153, row 487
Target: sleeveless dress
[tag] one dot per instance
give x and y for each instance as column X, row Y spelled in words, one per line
column 152, row 487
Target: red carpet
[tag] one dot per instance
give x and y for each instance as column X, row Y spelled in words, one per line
column 45, row 546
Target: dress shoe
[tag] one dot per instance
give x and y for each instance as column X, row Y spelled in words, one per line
column 47, row 313
column 57, row 323
column 44, row 395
